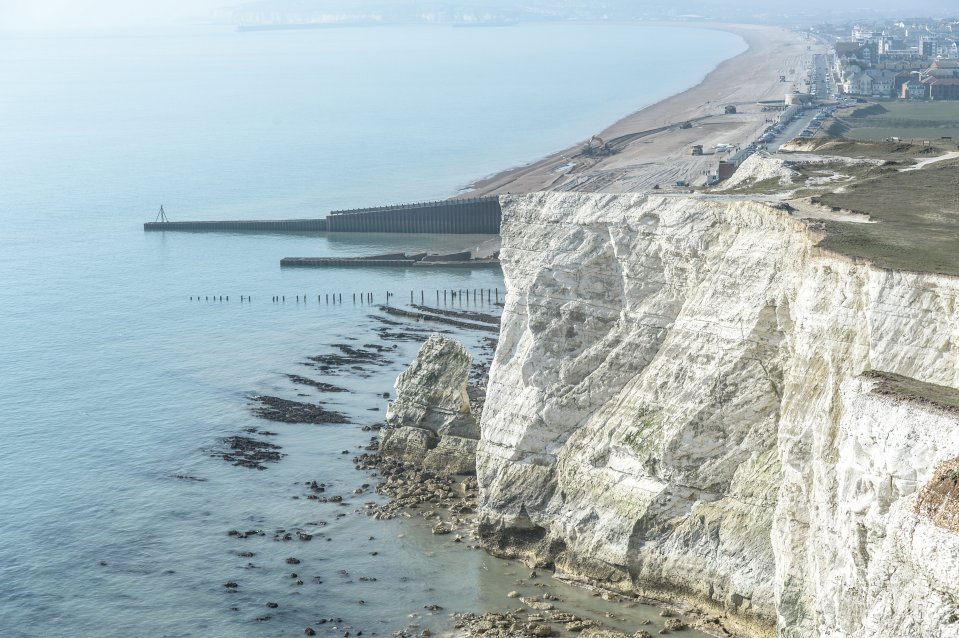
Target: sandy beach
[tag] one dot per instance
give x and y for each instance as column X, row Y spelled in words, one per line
column 649, row 146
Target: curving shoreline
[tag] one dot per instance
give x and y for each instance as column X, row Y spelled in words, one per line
column 651, row 135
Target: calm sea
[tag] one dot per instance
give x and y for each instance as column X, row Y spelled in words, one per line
column 113, row 383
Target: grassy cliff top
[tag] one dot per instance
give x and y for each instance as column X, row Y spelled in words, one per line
column 916, row 214
column 909, row 191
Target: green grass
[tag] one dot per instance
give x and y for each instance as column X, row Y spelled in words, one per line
column 902, row 151
column 910, row 112
column 917, row 214
column 912, row 134
column 905, row 120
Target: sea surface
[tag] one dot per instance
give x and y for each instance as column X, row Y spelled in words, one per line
column 116, row 387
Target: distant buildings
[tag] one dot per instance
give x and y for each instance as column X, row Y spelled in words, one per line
column 912, row 59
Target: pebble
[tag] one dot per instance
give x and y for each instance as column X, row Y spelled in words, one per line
column 674, row 624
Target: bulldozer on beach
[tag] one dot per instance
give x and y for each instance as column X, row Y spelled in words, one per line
column 597, row 147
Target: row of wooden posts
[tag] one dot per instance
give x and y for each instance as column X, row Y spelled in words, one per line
column 480, row 295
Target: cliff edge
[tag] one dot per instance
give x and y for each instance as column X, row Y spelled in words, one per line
column 691, row 401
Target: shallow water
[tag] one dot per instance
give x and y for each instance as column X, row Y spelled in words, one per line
column 112, row 382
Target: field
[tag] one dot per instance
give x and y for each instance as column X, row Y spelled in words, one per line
column 905, row 120
column 917, row 214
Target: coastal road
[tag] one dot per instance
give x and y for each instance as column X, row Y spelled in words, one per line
column 791, row 131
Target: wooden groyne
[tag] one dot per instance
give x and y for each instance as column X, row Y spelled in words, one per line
column 479, row 216
column 445, row 298
column 253, row 225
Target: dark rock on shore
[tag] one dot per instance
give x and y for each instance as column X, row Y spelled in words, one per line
column 410, row 334
column 351, row 358
column 246, row 534
column 409, row 486
column 441, row 317
column 286, row 411
column 319, row 385
column 244, row 451
column 468, row 315
column 187, row 477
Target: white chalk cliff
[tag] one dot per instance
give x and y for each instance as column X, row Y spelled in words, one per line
column 691, row 401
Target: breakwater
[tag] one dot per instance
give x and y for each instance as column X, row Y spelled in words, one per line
column 240, row 225
column 479, row 216
column 475, row 216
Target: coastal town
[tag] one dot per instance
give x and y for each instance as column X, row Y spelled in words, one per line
column 916, row 59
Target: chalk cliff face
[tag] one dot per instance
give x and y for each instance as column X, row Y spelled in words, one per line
column 691, row 401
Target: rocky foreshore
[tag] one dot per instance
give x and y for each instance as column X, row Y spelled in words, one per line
column 541, row 619
column 423, row 461
column 440, row 396
column 286, row 411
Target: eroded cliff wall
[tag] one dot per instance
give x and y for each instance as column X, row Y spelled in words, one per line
column 678, row 408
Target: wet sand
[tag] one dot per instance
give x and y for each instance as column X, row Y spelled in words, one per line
column 650, row 148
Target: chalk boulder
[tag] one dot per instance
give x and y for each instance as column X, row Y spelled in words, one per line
column 430, row 422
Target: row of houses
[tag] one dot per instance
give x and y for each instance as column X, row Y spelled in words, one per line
column 915, row 61
column 939, row 81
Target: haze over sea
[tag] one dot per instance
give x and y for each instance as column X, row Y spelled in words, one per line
column 113, row 383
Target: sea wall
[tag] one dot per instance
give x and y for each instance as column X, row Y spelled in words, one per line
column 690, row 401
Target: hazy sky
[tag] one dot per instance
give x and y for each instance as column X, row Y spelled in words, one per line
column 57, row 14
